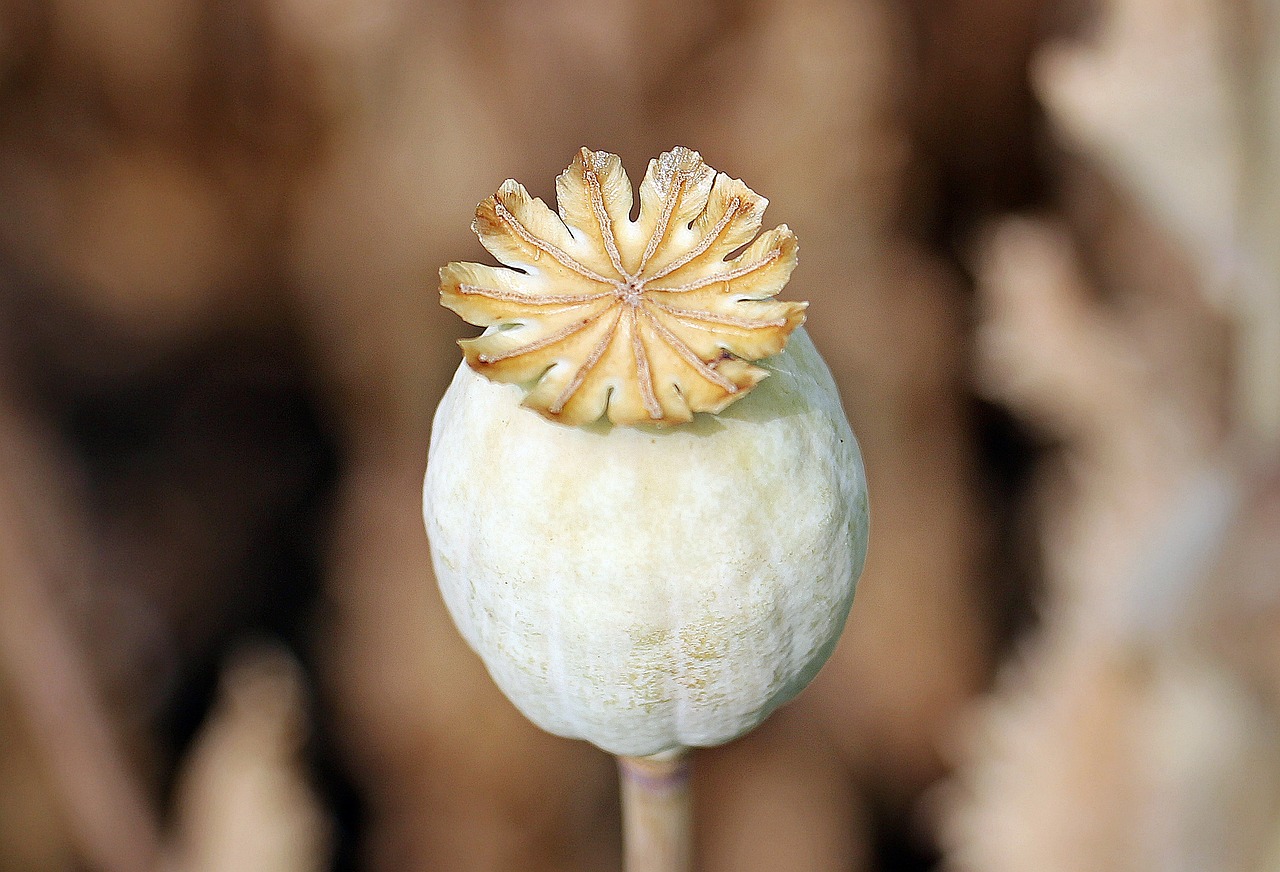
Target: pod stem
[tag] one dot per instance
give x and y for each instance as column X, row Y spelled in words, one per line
column 657, row 816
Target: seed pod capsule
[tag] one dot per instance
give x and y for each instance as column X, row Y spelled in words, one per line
column 634, row 573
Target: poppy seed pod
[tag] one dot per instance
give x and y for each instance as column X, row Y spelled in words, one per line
column 631, row 572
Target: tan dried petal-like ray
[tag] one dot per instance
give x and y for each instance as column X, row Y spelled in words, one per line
column 642, row 322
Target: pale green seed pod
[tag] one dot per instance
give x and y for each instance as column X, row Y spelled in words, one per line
column 642, row 589
column 646, row 588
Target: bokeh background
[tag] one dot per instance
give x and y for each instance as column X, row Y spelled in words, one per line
column 1042, row 243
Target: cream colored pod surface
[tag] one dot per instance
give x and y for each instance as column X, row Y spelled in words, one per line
column 647, row 511
column 647, row 590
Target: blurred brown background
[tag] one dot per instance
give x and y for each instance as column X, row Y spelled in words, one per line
column 1042, row 243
